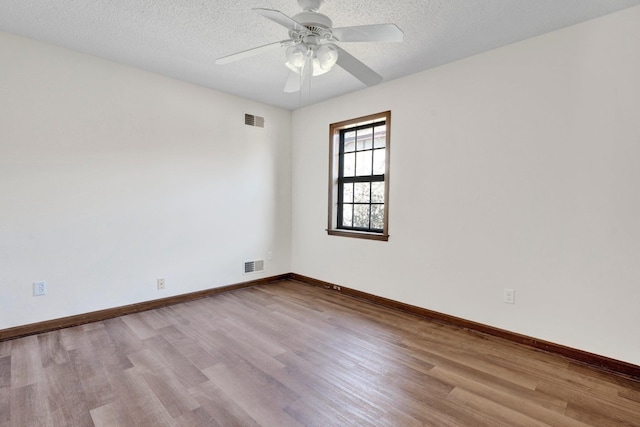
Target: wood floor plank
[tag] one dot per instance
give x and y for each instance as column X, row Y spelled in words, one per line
column 590, row 406
column 137, row 399
column 595, row 417
column 165, row 385
column 244, row 350
column 630, row 394
column 111, row 414
column 197, row 417
column 138, row 326
column 328, row 387
column 314, row 413
column 522, row 401
column 5, row 405
column 74, row 337
column 359, row 394
column 52, row 351
column 175, row 362
column 30, row 406
column 126, row 339
column 191, row 350
column 5, row 371
column 288, row 354
column 93, row 377
column 67, row 403
column 157, row 319
column 502, row 413
column 262, row 401
column 26, row 364
column 5, row 348
column 250, row 330
column 602, row 380
column 111, row 350
column 221, row 408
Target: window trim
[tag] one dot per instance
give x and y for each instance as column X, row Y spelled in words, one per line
column 334, row 149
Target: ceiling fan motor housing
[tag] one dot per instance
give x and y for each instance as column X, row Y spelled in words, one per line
column 313, row 19
column 310, row 5
column 316, row 23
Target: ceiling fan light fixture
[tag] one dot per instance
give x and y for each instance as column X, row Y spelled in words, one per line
column 327, row 56
column 316, row 68
column 296, row 56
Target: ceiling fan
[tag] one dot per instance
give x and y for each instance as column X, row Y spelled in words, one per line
column 311, row 46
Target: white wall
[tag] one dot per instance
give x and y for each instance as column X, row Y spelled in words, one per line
column 517, row 168
column 111, row 177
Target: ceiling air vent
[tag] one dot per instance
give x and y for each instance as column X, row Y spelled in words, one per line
column 253, row 266
column 251, row 120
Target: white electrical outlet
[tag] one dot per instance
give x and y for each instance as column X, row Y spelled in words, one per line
column 509, row 296
column 160, row 283
column 39, row 288
column 270, row 256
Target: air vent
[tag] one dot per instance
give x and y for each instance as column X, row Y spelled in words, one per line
column 253, row 266
column 251, row 120
column 316, row 29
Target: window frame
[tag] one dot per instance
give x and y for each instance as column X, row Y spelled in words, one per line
column 335, row 130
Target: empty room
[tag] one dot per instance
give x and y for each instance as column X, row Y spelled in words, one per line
column 320, row 213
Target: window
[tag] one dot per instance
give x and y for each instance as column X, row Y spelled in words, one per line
column 359, row 177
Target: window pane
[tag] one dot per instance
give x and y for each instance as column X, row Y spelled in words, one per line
column 377, row 216
column 350, row 141
column 361, row 216
column 349, row 164
column 359, row 146
column 362, row 192
column 363, row 163
column 379, row 161
column 347, row 215
column 380, row 139
column 347, row 193
column 364, row 139
column 377, row 192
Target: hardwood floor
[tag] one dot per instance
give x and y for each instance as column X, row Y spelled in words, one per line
column 289, row 354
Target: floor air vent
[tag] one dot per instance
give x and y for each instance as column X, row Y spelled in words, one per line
column 253, row 266
column 251, row 120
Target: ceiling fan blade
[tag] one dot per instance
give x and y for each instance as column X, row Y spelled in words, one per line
column 369, row 33
column 356, row 68
column 279, row 17
column 250, row 52
column 294, row 82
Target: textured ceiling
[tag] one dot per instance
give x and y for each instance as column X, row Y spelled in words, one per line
column 182, row 39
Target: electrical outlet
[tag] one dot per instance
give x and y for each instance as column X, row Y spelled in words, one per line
column 270, row 256
column 160, row 283
column 509, row 296
column 39, row 288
